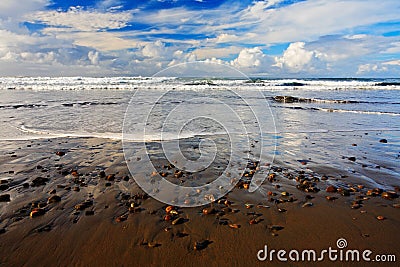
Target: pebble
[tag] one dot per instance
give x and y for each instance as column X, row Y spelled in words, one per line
column 5, row 198
column 39, row 181
column 110, row 177
column 397, row 206
column 307, row 204
column 234, row 226
column 121, row 218
column 54, row 199
column 383, row 141
column 36, row 212
column 331, row 189
column 102, row 174
column 352, row 158
column 389, row 195
column 208, row 211
column 60, row 153
column 4, row 187
column 178, row 221
column 199, row 245
column 380, row 217
column 330, row 198
column 275, row 227
column 168, row 209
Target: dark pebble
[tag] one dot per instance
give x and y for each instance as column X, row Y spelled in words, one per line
column 4, row 187
column 383, row 141
column 54, row 199
column 5, row 198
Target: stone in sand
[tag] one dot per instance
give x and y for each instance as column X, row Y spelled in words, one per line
column 5, row 198
column 36, row 212
column 3, row 187
column 331, row 189
column 39, row 181
column 389, row 195
column 53, row 199
column 199, row 245
column 178, row 221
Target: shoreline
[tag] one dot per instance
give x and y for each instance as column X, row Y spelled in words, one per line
column 107, row 230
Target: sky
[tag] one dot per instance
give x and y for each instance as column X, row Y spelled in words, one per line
column 270, row 38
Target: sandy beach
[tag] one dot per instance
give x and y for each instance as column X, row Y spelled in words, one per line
column 73, row 202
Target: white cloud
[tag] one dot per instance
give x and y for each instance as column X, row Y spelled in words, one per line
column 154, row 50
column 392, row 62
column 93, row 57
column 297, row 59
column 249, row 57
column 81, row 20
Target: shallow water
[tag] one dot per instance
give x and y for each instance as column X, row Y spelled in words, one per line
column 325, row 122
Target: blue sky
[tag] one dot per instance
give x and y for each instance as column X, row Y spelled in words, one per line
column 271, row 38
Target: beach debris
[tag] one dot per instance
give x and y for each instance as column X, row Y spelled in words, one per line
column 389, row 195
column 5, row 198
column 381, row 218
column 36, row 212
column 307, row 204
column 53, row 199
column 234, row 225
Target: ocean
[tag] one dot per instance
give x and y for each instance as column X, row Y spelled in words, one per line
column 350, row 127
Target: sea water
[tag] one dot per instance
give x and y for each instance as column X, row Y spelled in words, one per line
column 318, row 121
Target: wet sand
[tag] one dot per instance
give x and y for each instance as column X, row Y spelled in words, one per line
column 104, row 219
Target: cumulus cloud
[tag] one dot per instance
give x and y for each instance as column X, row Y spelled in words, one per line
column 297, row 58
column 249, row 57
column 154, row 50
